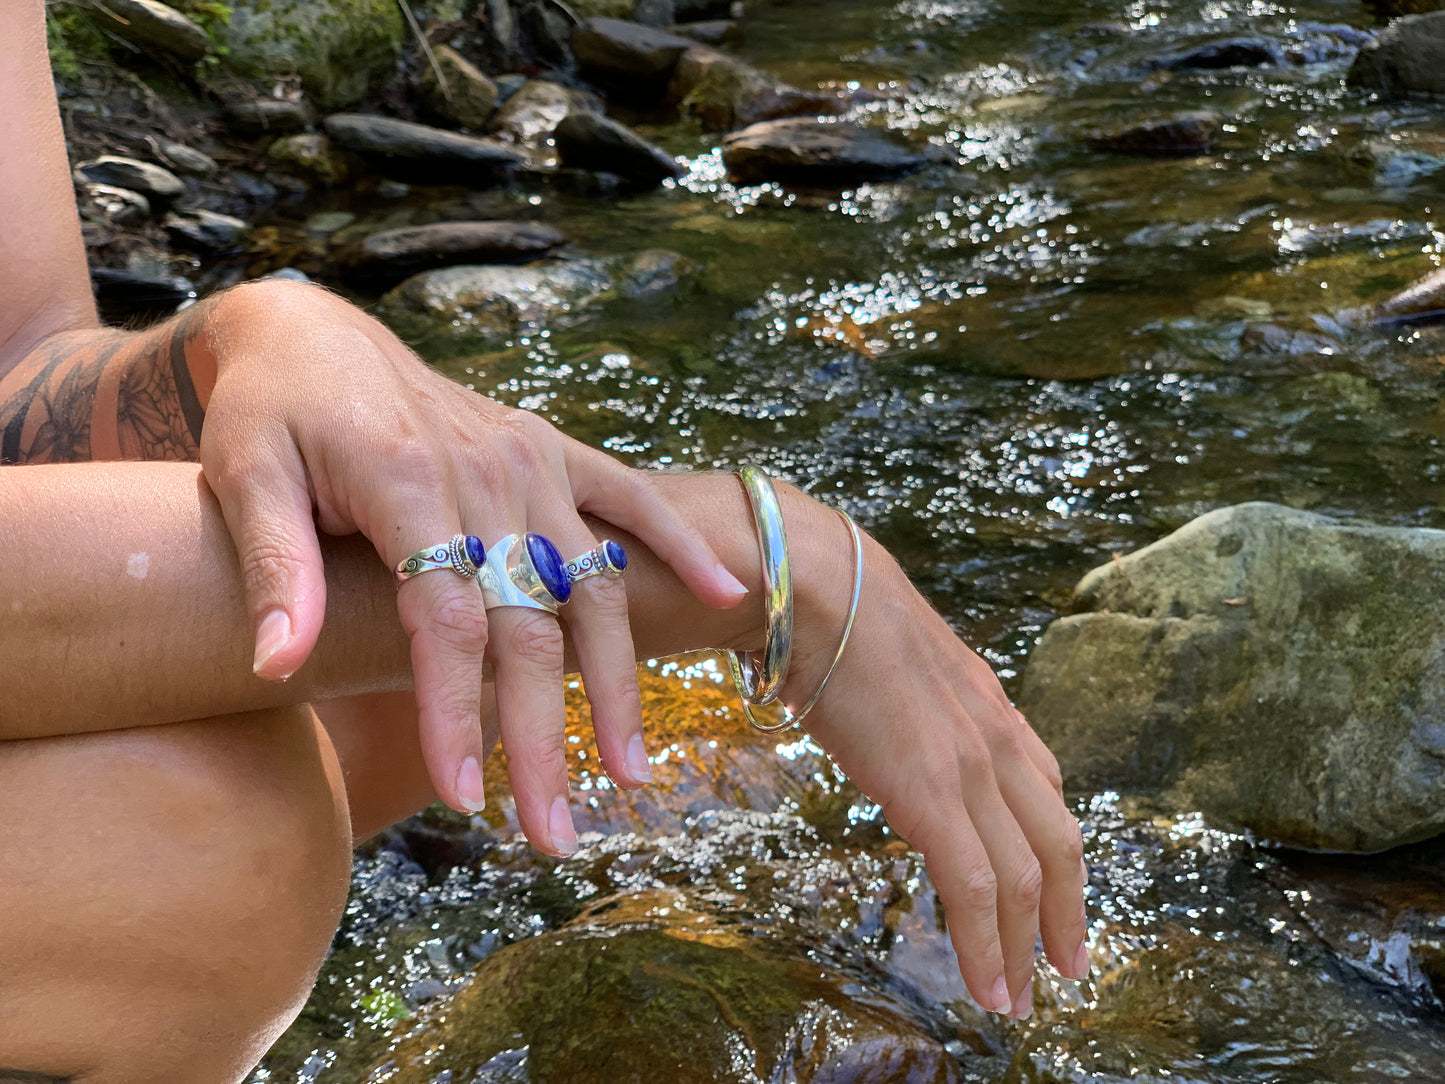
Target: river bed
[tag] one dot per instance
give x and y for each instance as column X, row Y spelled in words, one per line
column 1025, row 358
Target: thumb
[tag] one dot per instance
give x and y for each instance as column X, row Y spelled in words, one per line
column 267, row 505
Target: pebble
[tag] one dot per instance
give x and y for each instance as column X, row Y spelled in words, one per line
column 204, row 231
column 160, row 185
column 184, row 159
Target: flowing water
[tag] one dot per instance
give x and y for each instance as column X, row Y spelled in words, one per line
column 1024, row 358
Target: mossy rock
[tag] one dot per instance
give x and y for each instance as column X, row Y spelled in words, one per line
column 650, row 987
column 341, row 49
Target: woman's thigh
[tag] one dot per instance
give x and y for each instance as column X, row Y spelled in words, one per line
column 166, row 895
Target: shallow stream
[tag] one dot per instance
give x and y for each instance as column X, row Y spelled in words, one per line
column 1023, row 359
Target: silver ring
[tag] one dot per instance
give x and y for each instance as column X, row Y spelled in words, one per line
column 607, row 558
column 524, row 570
column 463, row 554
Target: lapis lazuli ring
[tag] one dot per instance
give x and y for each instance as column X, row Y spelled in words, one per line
column 524, row 570
column 607, row 558
column 463, row 554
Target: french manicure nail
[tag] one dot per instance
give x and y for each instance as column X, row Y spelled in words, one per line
column 470, row 790
column 272, row 634
column 1023, row 1005
column 999, row 1001
column 638, row 766
column 1081, row 961
column 728, row 582
column 559, row 824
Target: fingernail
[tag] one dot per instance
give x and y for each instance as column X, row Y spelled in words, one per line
column 638, row 766
column 272, row 634
column 564, row 835
column 1081, row 961
column 999, row 1001
column 728, row 582
column 1023, row 1005
column 471, row 792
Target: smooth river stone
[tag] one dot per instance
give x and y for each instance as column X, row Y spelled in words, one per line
column 594, row 142
column 806, row 151
column 418, row 152
column 155, row 182
column 389, row 256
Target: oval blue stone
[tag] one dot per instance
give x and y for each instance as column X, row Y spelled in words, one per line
column 616, row 555
column 551, row 569
column 476, row 552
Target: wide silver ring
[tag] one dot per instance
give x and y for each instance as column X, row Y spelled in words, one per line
column 607, row 558
column 510, row 575
column 462, row 553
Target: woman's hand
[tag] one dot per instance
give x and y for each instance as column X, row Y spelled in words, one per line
column 921, row 724
column 319, row 415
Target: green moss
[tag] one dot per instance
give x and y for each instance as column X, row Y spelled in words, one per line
column 73, row 40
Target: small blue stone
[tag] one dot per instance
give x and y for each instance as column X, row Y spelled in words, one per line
column 615, row 554
column 476, row 552
column 551, row 569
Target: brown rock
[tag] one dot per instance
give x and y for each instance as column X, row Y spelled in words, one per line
column 1176, row 135
column 1407, row 58
column 392, row 255
column 722, row 93
column 469, row 95
column 594, row 142
column 632, row 60
column 814, row 152
column 1423, row 301
column 153, row 25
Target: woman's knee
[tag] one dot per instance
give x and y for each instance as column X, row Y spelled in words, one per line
column 171, row 892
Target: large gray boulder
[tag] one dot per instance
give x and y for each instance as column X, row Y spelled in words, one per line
column 1281, row 671
column 1407, row 58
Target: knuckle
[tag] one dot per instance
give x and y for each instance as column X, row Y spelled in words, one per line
column 537, row 643
column 1026, row 887
column 1069, row 849
column 545, row 747
column 980, row 886
column 461, row 620
column 608, row 595
column 268, row 561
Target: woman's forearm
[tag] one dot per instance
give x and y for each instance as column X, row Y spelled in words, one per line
column 124, row 605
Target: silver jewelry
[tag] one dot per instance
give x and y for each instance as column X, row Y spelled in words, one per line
column 463, row 554
column 607, row 558
column 760, row 679
column 524, row 570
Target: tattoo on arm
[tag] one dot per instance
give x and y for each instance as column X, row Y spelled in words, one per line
column 105, row 395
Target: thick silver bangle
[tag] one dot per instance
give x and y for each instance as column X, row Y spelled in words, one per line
column 760, row 678
column 748, row 673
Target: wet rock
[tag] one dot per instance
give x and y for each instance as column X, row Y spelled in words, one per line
column 1423, row 301
column 547, row 27
column 594, row 142
column 184, row 159
column 710, row 31
column 315, row 157
column 112, row 206
column 469, row 95
column 722, row 93
column 464, row 309
column 1408, row 57
column 634, row 61
column 328, row 222
column 392, row 255
column 267, row 116
column 1176, row 135
column 497, row 25
column 532, row 114
column 204, row 231
column 1399, row 161
column 1278, row 670
column 813, row 152
column 121, row 292
column 341, row 49
column 1227, row 53
column 154, row 26
column 654, row 272
column 419, row 152
column 156, row 183
column 652, row 987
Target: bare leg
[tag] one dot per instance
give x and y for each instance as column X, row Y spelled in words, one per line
column 168, row 896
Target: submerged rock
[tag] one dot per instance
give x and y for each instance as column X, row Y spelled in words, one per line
column 153, row 25
column 156, row 183
column 721, row 93
column 392, row 255
column 1278, row 670
column 1407, row 58
column 1227, row 53
column 815, row 152
column 635, row 61
column 594, row 142
column 1176, row 135
column 654, row 987
column 419, row 152
column 204, row 231
column 1423, row 301
column 462, row 93
column 315, row 157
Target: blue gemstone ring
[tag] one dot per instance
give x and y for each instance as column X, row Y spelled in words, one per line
column 463, row 554
column 608, row 558
column 524, row 570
